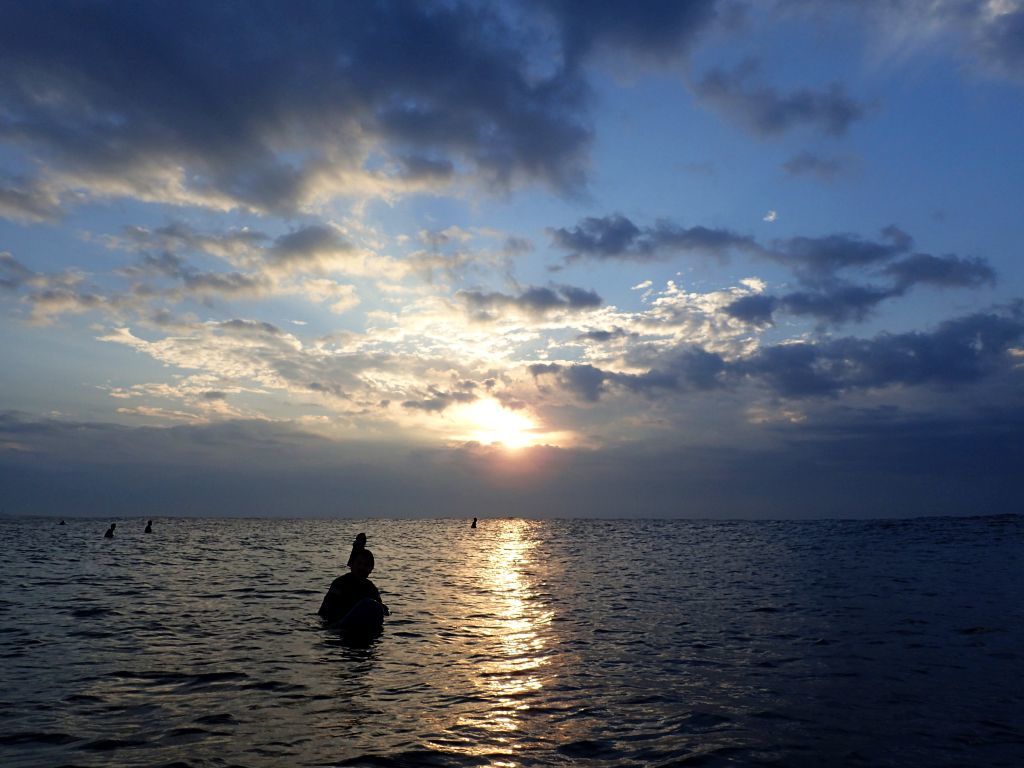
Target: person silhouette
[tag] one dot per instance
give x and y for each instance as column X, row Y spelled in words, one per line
column 149, row 527
column 353, row 602
column 110, row 531
column 358, row 546
column 62, row 523
column 474, row 523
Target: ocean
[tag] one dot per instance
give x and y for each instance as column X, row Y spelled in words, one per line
column 518, row 643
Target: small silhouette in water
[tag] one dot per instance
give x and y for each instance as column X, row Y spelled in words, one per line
column 110, row 531
column 62, row 523
column 474, row 523
column 359, row 545
column 353, row 602
column 149, row 527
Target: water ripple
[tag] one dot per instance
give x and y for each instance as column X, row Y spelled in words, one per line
column 520, row 643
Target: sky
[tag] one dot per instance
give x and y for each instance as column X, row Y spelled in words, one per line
column 552, row 258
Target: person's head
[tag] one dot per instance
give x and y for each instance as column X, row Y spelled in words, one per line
column 362, row 563
column 361, row 539
column 150, row 522
column 113, row 526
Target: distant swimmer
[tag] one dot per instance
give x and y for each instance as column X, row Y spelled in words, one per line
column 474, row 523
column 357, row 546
column 110, row 531
column 149, row 527
column 63, row 523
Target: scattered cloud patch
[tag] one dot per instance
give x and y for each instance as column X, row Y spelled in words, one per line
column 766, row 112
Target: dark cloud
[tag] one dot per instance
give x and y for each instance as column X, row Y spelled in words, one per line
column 195, row 281
column 1000, row 38
column 616, row 237
column 437, row 400
column 645, row 28
column 13, row 274
column 583, row 380
column 603, row 336
column 689, row 368
column 834, row 301
column 837, row 304
column 809, row 164
column 941, row 271
column 756, row 309
column 239, row 327
column 226, row 283
column 767, row 112
column 309, row 244
column 817, row 262
column 25, row 200
column 261, row 105
column 959, row 351
column 533, row 300
column 817, row 258
column 177, row 235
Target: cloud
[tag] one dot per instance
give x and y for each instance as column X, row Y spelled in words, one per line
column 817, row 258
column 340, row 297
column 941, row 271
column 958, row 352
column 770, row 216
column 616, row 237
column 314, row 245
column 838, row 303
column 222, row 107
column 766, row 112
column 28, row 201
column 605, row 336
column 832, row 300
column 533, row 300
column 233, row 245
column 646, row 30
column 437, row 401
column 688, row 368
column 13, row 274
column 756, row 309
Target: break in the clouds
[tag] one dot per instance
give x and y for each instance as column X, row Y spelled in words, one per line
column 314, row 246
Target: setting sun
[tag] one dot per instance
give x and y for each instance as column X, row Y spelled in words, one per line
column 488, row 422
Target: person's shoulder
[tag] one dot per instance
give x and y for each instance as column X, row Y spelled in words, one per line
column 342, row 580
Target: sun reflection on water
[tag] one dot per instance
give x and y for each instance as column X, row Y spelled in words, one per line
column 510, row 675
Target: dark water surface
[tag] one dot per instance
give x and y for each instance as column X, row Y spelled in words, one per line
column 520, row 643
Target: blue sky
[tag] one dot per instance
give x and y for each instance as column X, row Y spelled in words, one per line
column 551, row 258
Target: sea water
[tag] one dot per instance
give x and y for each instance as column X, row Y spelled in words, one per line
column 518, row 643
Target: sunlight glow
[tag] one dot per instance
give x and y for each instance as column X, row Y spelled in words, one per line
column 489, row 422
column 513, row 646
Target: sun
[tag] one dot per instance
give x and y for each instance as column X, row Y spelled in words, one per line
column 488, row 422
